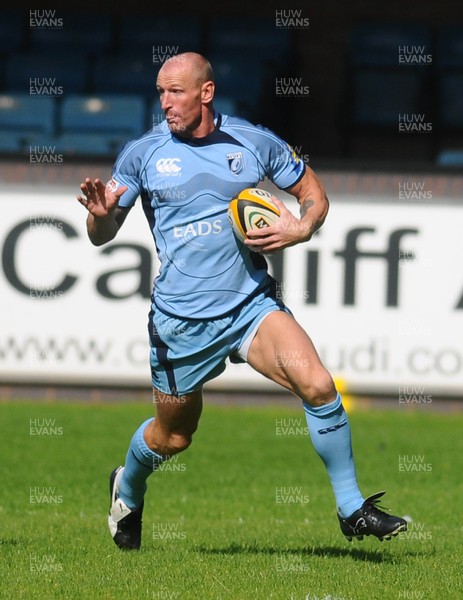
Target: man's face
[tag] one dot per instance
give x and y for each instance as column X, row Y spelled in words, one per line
column 180, row 95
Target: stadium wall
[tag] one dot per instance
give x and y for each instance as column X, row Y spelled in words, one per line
column 379, row 289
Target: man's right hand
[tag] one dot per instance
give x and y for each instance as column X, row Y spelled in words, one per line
column 100, row 200
column 104, row 217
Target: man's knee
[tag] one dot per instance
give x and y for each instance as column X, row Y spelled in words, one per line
column 318, row 390
column 178, row 442
column 176, row 420
column 170, row 444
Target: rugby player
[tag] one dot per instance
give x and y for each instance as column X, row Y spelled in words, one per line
column 213, row 298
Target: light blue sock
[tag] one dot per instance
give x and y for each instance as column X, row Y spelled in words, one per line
column 330, row 433
column 140, row 462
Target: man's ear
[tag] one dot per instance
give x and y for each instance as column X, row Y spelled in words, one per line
column 207, row 92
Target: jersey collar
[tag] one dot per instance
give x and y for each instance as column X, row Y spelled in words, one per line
column 215, row 137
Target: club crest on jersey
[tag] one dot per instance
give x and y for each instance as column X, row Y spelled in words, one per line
column 168, row 167
column 235, row 162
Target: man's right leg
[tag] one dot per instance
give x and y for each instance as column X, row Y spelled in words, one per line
column 154, row 442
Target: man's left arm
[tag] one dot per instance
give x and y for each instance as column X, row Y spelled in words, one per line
column 290, row 230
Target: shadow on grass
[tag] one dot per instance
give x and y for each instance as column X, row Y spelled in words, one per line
column 9, row 542
column 373, row 556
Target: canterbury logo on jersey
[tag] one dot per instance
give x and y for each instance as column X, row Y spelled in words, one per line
column 168, row 166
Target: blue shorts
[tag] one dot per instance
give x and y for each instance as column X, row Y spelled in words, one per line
column 186, row 353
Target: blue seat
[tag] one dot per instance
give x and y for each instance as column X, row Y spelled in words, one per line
column 226, row 106
column 380, row 97
column 254, row 38
column 96, row 126
column 23, row 118
column 24, row 113
column 377, row 44
column 450, row 47
column 12, row 142
column 115, row 115
column 236, row 78
column 12, row 31
column 450, row 158
column 77, row 34
column 76, row 144
column 241, row 82
column 46, row 73
column 451, row 100
column 174, row 33
column 125, row 74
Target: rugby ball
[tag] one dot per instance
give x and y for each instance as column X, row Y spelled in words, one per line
column 252, row 208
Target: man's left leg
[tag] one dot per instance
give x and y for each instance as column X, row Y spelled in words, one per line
column 282, row 351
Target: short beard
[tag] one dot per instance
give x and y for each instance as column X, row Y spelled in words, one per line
column 184, row 131
column 180, row 130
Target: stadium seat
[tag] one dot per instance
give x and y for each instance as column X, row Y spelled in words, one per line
column 23, row 118
column 174, row 33
column 449, row 91
column 75, row 144
column 450, row 98
column 128, row 75
column 380, row 97
column 121, row 113
column 241, row 82
column 95, row 126
column 388, row 76
column 99, row 125
column 47, row 73
column 450, row 158
column 449, row 52
column 235, row 79
column 226, row 106
column 247, row 55
column 254, row 38
column 13, row 142
column 12, row 31
column 377, row 44
column 77, row 34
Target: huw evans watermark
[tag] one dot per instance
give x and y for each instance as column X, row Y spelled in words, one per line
column 290, row 495
column 287, row 427
column 291, row 19
column 414, row 463
column 44, row 495
column 44, row 427
column 414, row 55
column 45, row 19
column 291, row 87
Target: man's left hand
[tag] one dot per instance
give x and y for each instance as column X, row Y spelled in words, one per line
column 287, row 232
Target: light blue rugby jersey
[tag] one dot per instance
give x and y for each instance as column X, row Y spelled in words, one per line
column 185, row 187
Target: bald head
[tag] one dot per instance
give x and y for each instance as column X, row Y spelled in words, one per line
column 190, row 62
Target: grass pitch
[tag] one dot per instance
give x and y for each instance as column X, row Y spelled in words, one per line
column 246, row 513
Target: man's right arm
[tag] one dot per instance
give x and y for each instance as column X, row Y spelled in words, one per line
column 103, row 229
column 104, row 215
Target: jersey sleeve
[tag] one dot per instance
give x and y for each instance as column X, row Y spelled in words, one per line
column 126, row 171
column 281, row 163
